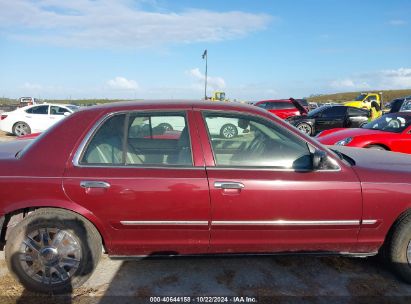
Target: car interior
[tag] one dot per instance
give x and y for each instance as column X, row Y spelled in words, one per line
column 263, row 146
column 145, row 144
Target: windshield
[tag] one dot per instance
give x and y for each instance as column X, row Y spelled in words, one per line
column 360, row 97
column 390, row 123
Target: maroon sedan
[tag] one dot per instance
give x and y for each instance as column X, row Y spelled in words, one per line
column 105, row 177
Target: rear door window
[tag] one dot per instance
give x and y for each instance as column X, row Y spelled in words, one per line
column 141, row 139
column 38, row 110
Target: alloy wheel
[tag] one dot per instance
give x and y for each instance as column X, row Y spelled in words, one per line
column 50, row 255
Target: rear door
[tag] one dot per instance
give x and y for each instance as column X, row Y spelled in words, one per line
column 266, row 198
column 37, row 118
column 147, row 182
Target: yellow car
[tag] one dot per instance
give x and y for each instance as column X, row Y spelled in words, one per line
column 370, row 101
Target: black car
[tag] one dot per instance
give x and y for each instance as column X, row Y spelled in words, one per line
column 329, row 117
column 398, row 105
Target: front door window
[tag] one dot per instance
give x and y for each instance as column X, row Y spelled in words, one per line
column 257, row 144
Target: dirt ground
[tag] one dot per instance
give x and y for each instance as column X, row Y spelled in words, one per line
column 6, row 137
column 269, row 278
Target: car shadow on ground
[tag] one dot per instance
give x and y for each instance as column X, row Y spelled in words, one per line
column 290, row 279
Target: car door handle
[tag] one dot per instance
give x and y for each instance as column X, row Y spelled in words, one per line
column 94, row 184
column 228, row 185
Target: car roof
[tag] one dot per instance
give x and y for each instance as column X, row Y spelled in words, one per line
column 172, row 104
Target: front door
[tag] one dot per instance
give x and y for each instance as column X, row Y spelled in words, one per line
column 141, row 174
column 266, row 198
column 332, row 117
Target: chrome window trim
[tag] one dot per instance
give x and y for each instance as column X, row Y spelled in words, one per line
column 81, row 148
column 184, row 223
column 270, row 169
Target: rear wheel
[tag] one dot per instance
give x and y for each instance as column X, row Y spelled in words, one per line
column 305, row 128
column 53, row 250
column 399, row 249
column 21, row 128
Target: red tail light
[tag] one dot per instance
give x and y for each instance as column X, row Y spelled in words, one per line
column 3, row 117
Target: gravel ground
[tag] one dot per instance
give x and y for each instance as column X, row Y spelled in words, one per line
column 270, row 278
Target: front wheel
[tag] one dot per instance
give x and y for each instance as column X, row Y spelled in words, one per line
column 21, row 128
column 53, row 250
column 399, row 249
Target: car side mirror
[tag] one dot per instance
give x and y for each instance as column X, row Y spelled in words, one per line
column 66, row 113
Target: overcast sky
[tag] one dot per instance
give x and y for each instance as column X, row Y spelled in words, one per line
column 152, row 49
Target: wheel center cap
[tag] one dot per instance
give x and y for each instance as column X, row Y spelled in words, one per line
column 48, row 254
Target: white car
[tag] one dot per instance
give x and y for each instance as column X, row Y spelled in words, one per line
column 34, row 119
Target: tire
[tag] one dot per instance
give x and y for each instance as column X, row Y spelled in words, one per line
column 305, row 128
column 21, row 128
column 398, row 245
column 376, row 147
column 53, row 250
column 166, row 126
column 228, row 131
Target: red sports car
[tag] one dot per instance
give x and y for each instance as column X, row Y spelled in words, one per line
column 390, row 132
column 107, row 178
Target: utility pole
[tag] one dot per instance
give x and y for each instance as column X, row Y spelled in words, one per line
column 205, row 56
